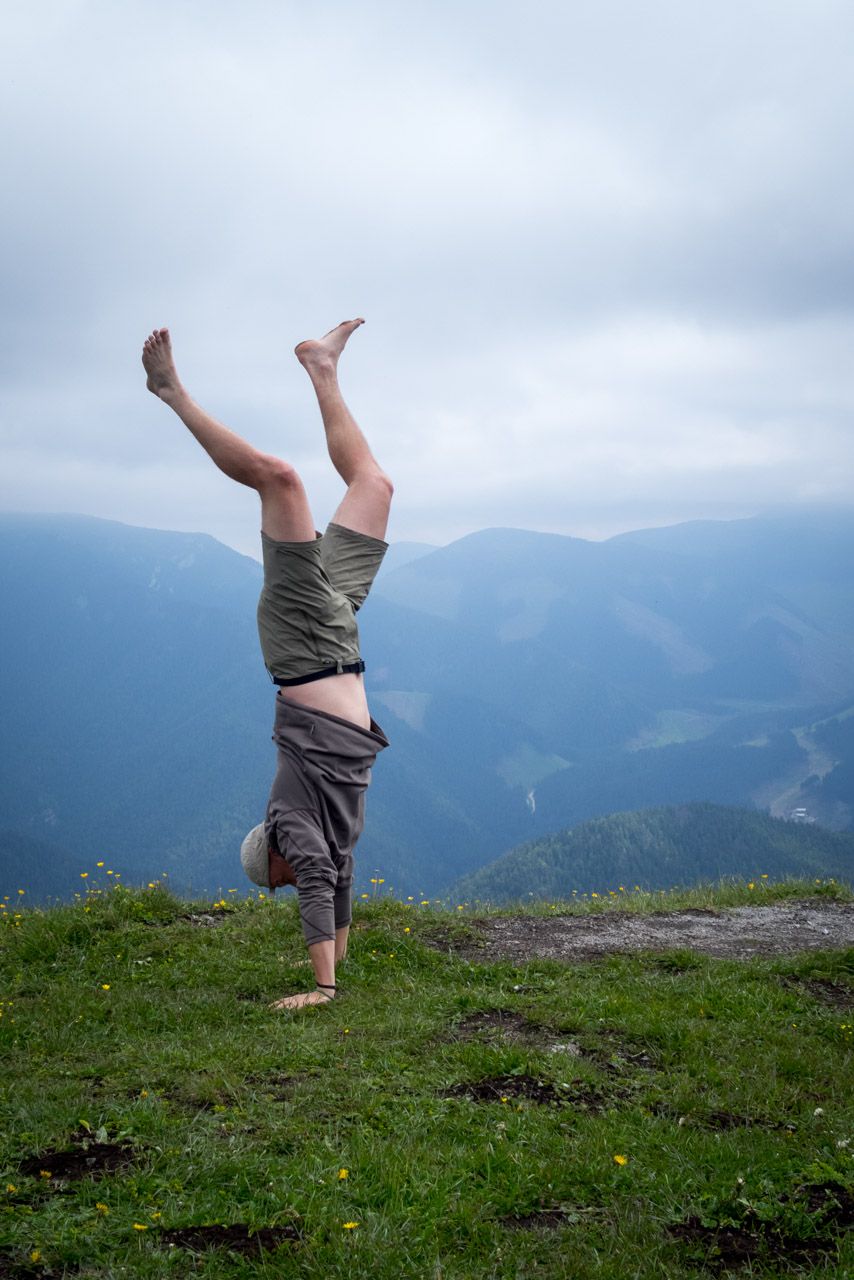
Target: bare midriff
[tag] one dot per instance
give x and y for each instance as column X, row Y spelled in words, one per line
column 342, row 696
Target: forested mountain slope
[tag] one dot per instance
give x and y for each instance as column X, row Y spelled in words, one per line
column 659, row 849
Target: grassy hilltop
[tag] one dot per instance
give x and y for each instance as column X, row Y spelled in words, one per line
column 452, row 1117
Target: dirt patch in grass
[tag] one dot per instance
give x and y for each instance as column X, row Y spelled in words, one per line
column 579, row 1094
column 620, row 1061
column 834, row 1203
column 829, row 1203
column 91, row 1160
column 188, row 1101
column 719, row 1121
column 250, row 1242
column 209, row 919
column 278, row 1087
column 741, row 932
column 734, row 1247
column 826, row 990
column 542, row 1219
column 508, row 1089
column 737, row 1248
column 10, row 1270
column 505, row 1023
column 469, row 940
column 724, row 1121
column 515, row 1028
column 617, row 1055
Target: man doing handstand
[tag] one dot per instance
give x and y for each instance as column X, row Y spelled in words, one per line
column 326, row 740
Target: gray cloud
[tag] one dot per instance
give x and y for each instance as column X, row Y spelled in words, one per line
column 605, row 252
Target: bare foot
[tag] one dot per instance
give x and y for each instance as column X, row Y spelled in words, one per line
column 298, row 1002
column 322, row 354
column 158, row 364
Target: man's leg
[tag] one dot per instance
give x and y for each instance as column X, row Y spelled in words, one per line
column 285, row 513
column 364, row 509
column 323, row 957
column 365, row 505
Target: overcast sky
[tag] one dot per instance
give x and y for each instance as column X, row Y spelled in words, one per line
column 605, row 250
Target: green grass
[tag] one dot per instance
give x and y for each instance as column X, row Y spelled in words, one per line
column 724, row 1087
column 719, row 894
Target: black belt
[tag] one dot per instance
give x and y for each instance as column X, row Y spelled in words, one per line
column 356, row 668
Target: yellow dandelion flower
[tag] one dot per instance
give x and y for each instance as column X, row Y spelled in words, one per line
column 594, row 895
column 101, row 1208
column 342, row 1173
column 105, row 986
column 406, row 930
column 750, row 886
column 140, row 1226
column 348, row 1226
column 99, row 864
column 45, row 1173
column 157, row 1215
column 35, row 1255
column 83, row 875
column 10, row 1188
column 144, row 1093
column 621, row 1159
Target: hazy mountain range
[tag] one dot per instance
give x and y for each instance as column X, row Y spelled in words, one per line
column 528, row 682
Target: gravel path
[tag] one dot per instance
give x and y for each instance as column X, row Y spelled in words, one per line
column 740, row 932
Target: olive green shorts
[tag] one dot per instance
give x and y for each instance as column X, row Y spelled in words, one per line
column 307, row 609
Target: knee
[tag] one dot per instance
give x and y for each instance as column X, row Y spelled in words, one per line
column 276, row 474
column 380, row 484
column 388, row 487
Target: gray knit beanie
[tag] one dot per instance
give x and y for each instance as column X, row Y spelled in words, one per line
column 254, row 857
